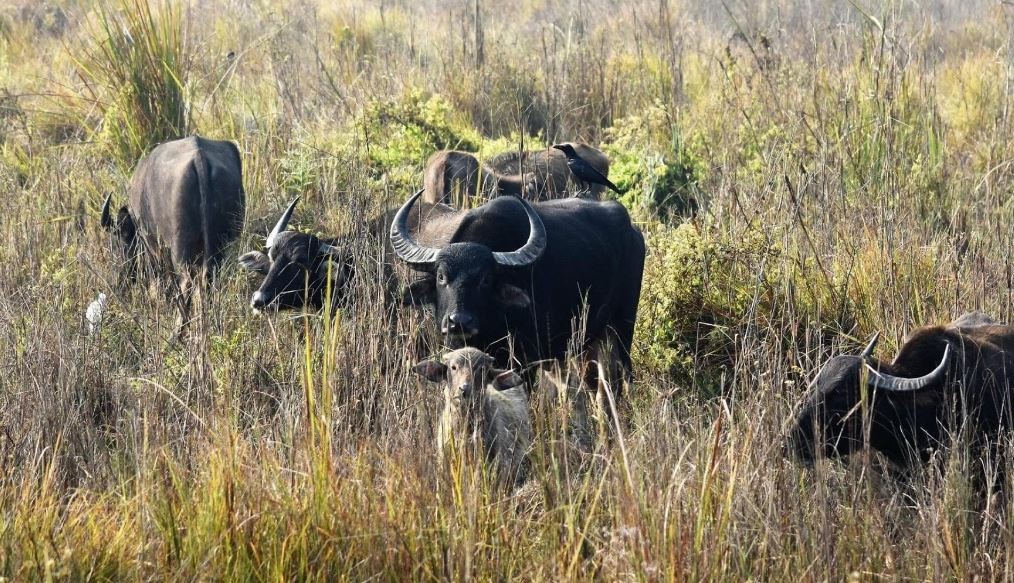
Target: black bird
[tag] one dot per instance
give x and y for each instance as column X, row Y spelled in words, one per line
column 584, row 171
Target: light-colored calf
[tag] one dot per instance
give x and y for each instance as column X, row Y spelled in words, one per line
column 483, row 406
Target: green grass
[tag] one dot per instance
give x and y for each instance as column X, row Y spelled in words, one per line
column 853, row 173
column 136, row 74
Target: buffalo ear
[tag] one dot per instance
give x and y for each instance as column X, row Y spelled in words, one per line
column 431, row 369
column 331, row 265
column 506, row 379
column 419, row 292
column 512, row 296
column 106, row 220
column 256, row 262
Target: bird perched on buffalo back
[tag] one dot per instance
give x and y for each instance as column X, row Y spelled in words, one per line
column 584, row 171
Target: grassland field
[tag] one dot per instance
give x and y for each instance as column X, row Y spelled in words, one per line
column 805, row 174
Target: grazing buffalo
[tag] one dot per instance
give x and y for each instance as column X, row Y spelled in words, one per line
column 552, row 176
column 512, row 275
column 454, row 177
column 484, row 407
column 298, row 265
column 186, row 198
column 943, row 379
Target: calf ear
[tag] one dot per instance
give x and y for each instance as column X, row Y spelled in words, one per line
column 507, row 379
column 255, row 261
column 420, row 292
column 431, row 370
column 512, row 296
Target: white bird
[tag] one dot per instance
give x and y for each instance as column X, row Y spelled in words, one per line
column 94, row 313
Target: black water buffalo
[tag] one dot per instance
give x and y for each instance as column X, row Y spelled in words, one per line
column 510, row 274
column 297, row 266
column 963, row 371
column 186, row 198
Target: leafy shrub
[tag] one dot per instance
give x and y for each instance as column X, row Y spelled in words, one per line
column 651, row 164
column 696, row 290
column 403, row 132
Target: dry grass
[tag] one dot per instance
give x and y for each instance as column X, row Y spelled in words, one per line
column 854, row 167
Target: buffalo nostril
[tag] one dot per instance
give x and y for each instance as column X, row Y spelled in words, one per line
column 258, row 300
column 460, row 321
column 448, row 325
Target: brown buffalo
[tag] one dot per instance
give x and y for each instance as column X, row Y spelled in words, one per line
column 454, row 178
column 552, row 177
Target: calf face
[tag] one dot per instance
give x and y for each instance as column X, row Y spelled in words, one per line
column 467, row 372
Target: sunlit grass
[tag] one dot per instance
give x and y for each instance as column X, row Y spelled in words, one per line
column 853, row 174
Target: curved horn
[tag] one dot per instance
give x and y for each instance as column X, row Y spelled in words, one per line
column 408, row 250
column 106, row 221
column 888, row 382
column 532, row 248
column 282, row 224
column 870, row 346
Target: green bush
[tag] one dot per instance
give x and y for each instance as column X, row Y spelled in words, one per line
column 402, row 133
column 696, row 291
column 651, row 164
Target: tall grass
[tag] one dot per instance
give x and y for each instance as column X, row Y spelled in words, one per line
column 138, row 73
column 853, row 168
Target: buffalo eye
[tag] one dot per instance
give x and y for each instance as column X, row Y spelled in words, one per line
column 486, row 281
column 441, row 278
column 454, row 367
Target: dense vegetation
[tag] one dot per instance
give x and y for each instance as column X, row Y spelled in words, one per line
column 805, row 175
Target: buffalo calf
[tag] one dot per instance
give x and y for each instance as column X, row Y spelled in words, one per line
column 483, row 406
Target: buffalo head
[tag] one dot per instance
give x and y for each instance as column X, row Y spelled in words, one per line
column 467, row 281
column 296, row 268
column 831, row 422
column 123, row 227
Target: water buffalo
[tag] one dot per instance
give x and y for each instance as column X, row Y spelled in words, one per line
column 512, row 275
column 485, row 407
column 962, row 371
column 454, row 177
column 297, row 266
column 552, row 176
column 186, row 198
